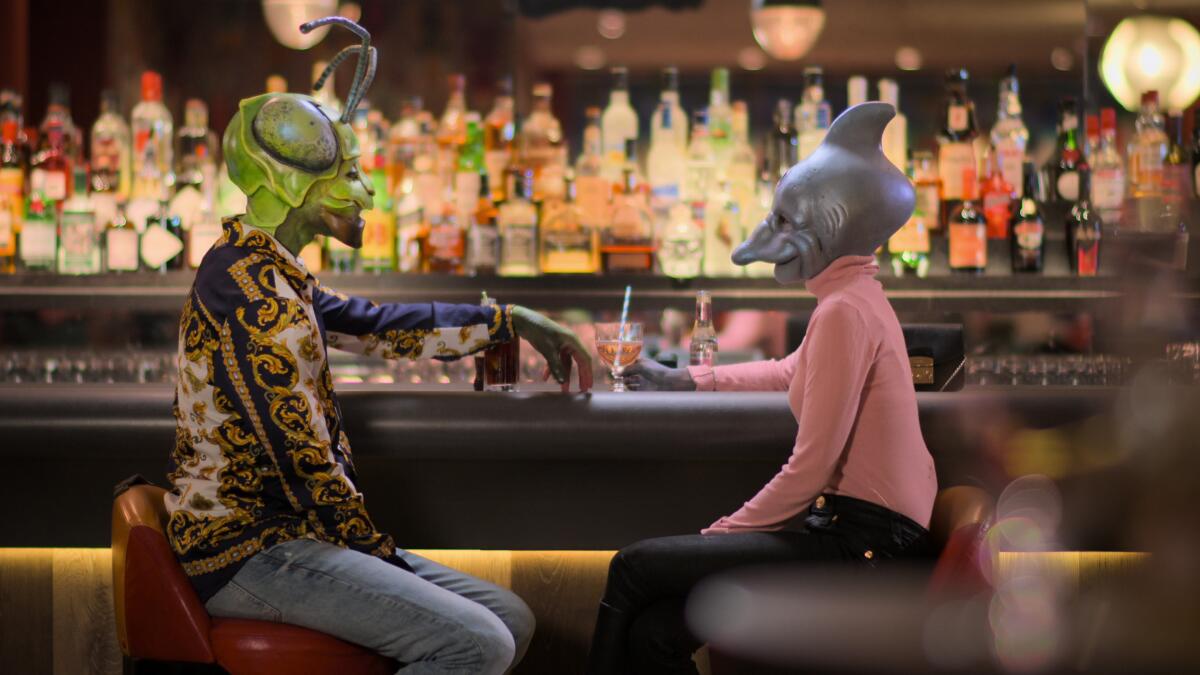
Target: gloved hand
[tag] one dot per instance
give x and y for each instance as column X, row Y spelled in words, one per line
column 647, row 375
column 559, row 345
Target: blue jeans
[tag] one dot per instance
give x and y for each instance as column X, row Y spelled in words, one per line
column 436, row 620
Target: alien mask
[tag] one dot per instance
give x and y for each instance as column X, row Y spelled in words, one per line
column 289, row 153
column 845, row 198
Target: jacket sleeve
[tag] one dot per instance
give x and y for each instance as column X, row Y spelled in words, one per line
column 269, row 357
column 394, row 330
column 833, row 376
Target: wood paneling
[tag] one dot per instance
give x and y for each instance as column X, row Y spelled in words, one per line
column 563, row 589
column 26, row 604
column 85, row 637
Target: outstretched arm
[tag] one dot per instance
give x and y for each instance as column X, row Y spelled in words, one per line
column 833, row 375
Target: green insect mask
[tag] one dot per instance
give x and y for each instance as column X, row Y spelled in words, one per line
column 294, row 158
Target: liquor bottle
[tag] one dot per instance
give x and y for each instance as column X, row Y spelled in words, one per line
column 402, row 139
column 755, row 212
column 927, row 183
column 1068, row 154
column 997, row 199
column 1148, row 151
column 813, row 114
column 79, row 241
column 1009, row 135
column 12, row 186
column 378, row 252
column 452, row 129
column 782, row 145
column 1028, row 243
column 121, row 245
column 1091, row 136
column 618, row 124
column 968, row 230
column 1108, row 173
column 669, row 98
column 327, row 96
column 195, row 166
column 162, row 242
column 700, row 170
column 110, row 149
column 722, row 231
column 517, row 223
column 11, row 111
column 702, row 349
column 909, row 246
column 499, row 130
column 956, row 149
column 743, row 164
column 471, row 166
column 38, row 240
column 627, row 243
column 1084, row 231
column 276, row 84
column 206, row 230
column 593, row 192
column 427, row 183
column 567, row 244
column 720, row 119
column 58, row 114
column 856, row 90
column 895, row 135
column 483, row 240
column 666, row 163
column 50, row 175
column 542, row 148
column 152, row 129
column 1196, row 152
column 445, row 247
column 681, row 251
column 1177, row 182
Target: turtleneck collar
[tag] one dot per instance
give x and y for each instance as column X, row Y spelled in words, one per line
column 840, row 273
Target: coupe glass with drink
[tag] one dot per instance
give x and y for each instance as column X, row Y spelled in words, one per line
column 619, row 345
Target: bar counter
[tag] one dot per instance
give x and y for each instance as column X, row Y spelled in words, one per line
column 460, row 469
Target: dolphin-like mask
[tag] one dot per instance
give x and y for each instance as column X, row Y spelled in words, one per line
column 845, row 198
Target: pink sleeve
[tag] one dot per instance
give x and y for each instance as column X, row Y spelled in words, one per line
column 839, row 355
column 754, row 376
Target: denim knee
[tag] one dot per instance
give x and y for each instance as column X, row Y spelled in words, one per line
column 520, row 621
column 496, row 643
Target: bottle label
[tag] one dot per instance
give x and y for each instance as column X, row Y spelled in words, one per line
column 378, row 244
column 106, row 156
column 201, row 238
column 592, row 196
column 1175, row 183
column 428, row 189
column 912, row 237
column 7, row 238
column 968, row 245
column 446, row 242
column 928, row 203
column 496, row 162
column 1029, row 234
column 1012, row 160
column 953, row 158
column 1087, row 252
column 38, row 242
column 79, row 249
column 483, row 246
column 518, row 247
column 12, row 183
column 1108, row 188
column 52, row 184
column 1068, row 186
column 957, row 118
column 159, row 246
column 121, row 250
column 466, row 194
column 997, row 209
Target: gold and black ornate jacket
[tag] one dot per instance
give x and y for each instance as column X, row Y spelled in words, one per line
column 260, row 456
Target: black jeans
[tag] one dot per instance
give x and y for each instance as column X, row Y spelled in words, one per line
column 641, row 627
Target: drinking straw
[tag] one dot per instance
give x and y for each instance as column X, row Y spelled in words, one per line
column 621, row 328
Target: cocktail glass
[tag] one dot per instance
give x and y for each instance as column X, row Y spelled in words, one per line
column 618, row 345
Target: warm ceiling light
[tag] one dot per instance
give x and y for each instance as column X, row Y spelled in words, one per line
column 589, row 57
column 908, row 58
column 285, row 16
column 787, row 29
column 611, row 23
column 1158, row 53
column 1062, row 58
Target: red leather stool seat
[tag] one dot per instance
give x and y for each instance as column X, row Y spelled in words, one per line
column 263, row 647
column 160, row 617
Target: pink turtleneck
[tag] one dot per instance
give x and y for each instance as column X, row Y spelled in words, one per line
column 850, row 388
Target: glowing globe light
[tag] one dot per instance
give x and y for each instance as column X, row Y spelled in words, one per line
column 787, row 29
column 1152, row 52
column 285, row 16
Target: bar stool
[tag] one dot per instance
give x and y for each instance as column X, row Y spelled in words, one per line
column 957, row 527
column 160, row 617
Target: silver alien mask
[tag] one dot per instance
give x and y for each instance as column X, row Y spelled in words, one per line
column 845, row 198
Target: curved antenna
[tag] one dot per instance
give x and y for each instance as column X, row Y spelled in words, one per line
column 367, row 78
column 333, row 64
column 360, row 70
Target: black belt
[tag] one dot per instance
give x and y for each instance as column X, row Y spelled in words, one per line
column 874, row 531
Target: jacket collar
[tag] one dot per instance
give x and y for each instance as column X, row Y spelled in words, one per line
column 841, row 273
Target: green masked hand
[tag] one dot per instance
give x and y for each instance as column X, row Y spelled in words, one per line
column 557, row 344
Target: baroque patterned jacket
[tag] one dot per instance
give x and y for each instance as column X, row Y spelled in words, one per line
column 260, row 455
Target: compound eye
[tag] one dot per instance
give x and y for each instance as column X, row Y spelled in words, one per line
column 296, row 133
